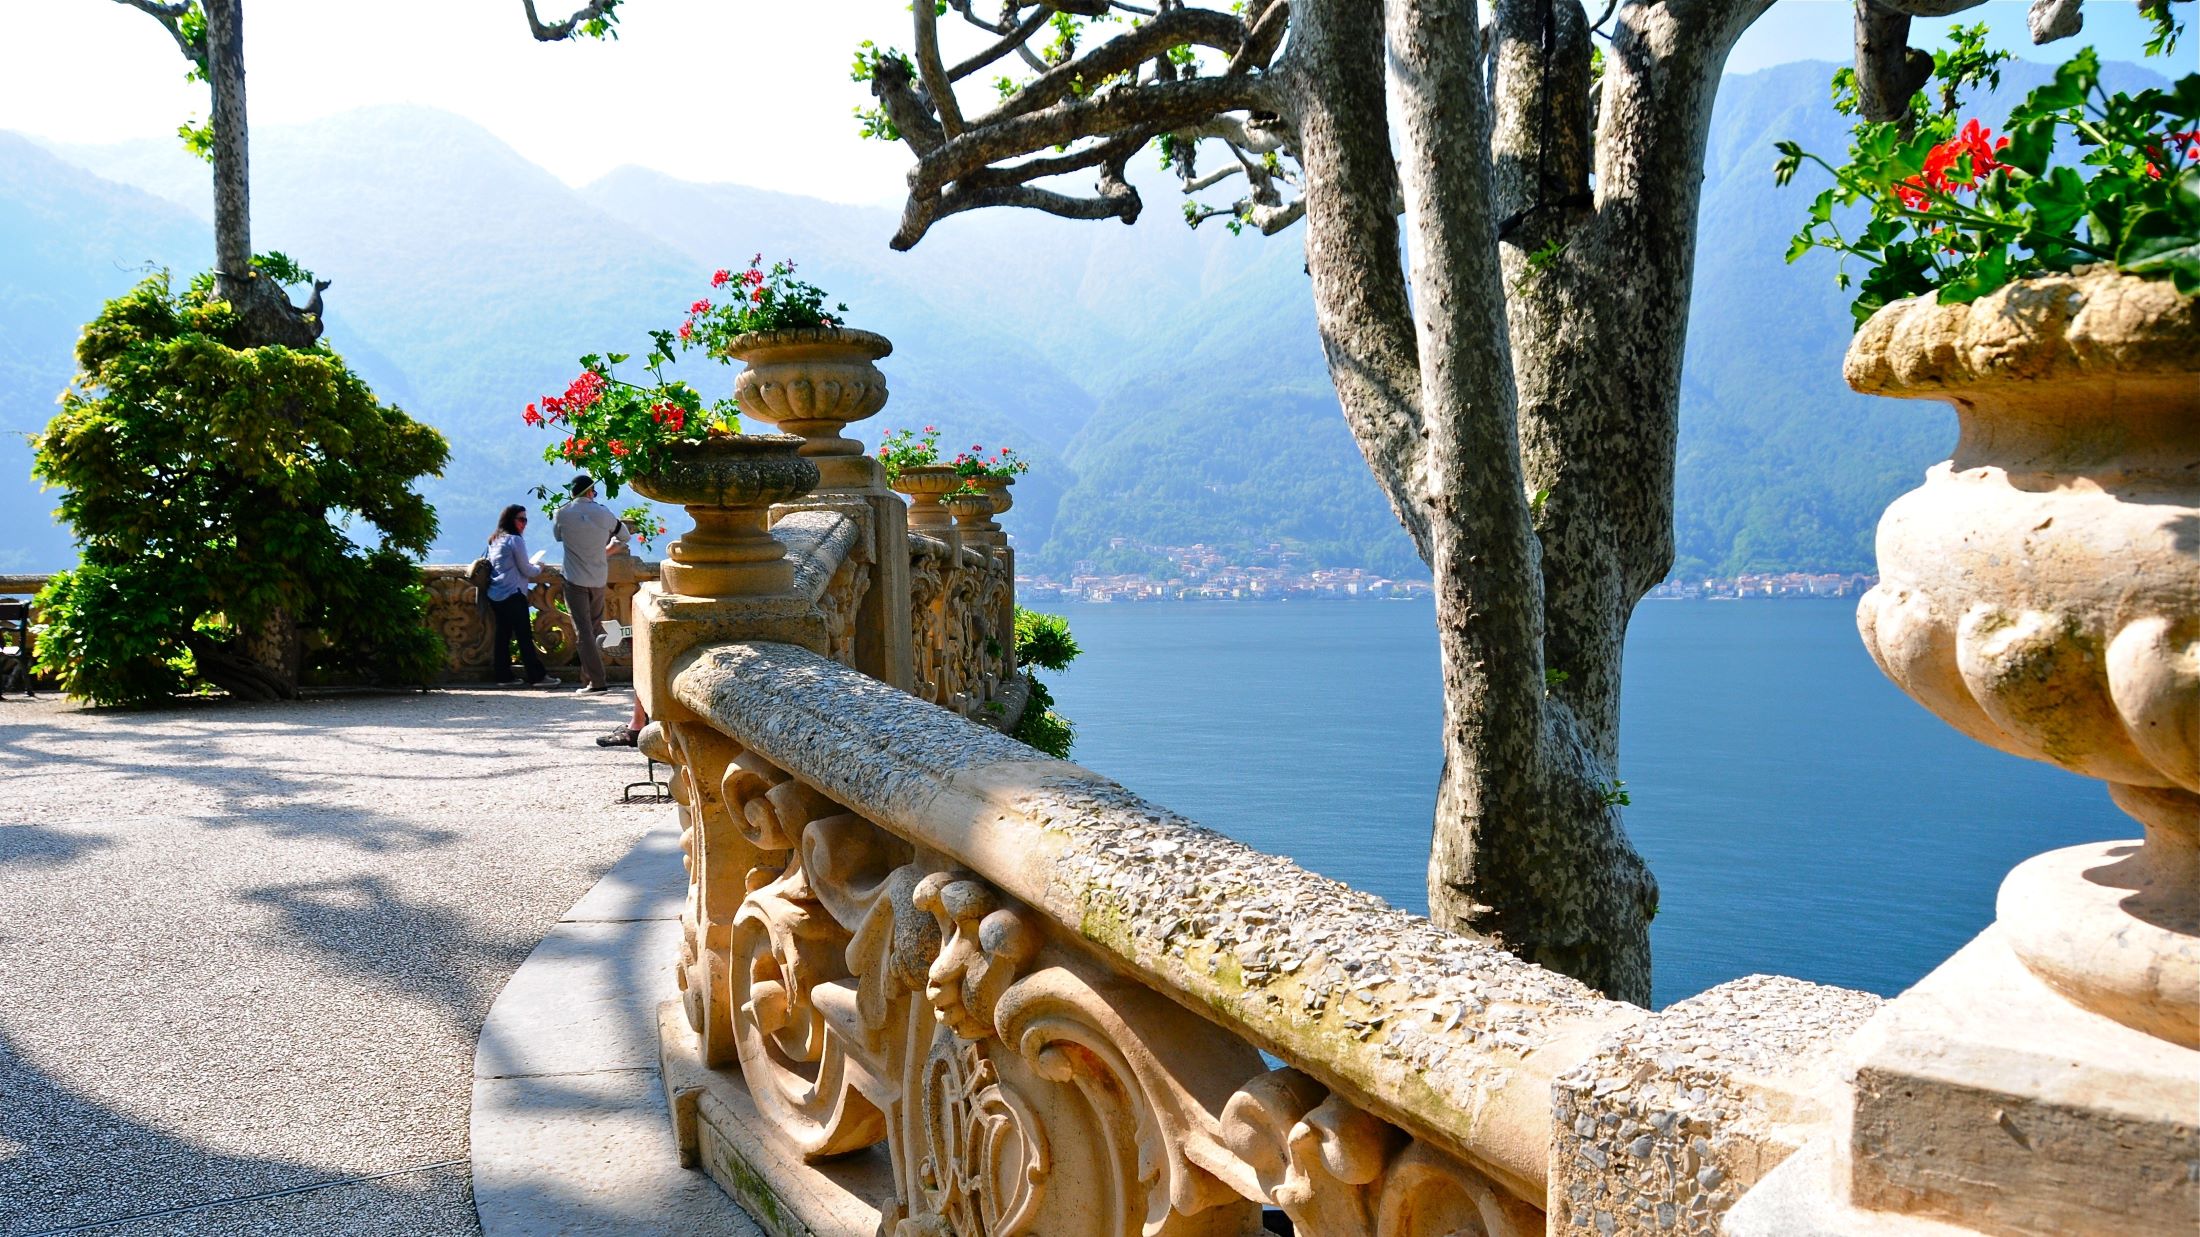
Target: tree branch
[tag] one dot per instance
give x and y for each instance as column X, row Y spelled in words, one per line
column 1009, row 42
column 170, row 17
column 556, row 31
column 1145, row 109
column 1179, row 27
column 935, row 76
column 1333, row 83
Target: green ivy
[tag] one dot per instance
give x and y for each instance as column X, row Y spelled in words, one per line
column 1044, row 640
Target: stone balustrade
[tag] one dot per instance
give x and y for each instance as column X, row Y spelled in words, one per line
column 935, row 983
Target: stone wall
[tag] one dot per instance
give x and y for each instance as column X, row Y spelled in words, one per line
column 456, row 614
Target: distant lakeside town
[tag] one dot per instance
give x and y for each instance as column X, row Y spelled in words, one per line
column 1200, row 573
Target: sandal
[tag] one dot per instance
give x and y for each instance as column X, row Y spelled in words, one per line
column 622, row 737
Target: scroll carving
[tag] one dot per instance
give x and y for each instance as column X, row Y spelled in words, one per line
column 869, row 993
column 1336, row 1170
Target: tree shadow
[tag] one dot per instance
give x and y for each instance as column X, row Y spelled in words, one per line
column 41, row 846
column 365, row 927
column 66, row 1160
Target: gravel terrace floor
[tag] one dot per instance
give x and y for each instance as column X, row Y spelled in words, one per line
column 245, row 949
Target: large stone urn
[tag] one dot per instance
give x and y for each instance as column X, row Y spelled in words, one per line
column 812, row 382
column 2041, row 593
column 728, row 484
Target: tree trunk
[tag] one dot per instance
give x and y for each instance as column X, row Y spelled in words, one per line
column 1528, row 442
column 260, row 664
column 233, row 273
column 266, row 314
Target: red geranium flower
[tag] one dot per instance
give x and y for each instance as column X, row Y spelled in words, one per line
column 720, row 279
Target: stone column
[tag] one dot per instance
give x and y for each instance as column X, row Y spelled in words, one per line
column 2041, row 593
column 728, row 578
column 812, row 383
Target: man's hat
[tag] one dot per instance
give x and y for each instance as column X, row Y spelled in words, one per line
column 580, row 485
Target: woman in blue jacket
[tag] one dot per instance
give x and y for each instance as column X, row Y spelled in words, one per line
column 510, row 573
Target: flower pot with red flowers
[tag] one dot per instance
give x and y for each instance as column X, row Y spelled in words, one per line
column 660, row 438
column 806, row 372
column 615, row 429
column 992, row 474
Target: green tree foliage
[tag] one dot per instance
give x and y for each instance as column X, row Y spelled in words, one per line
column 244, row 515
column 1043, row 640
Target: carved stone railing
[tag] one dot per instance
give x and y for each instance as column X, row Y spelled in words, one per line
column 962, row 622
column 933, row 983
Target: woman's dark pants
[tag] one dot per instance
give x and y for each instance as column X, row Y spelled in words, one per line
column 512, row 625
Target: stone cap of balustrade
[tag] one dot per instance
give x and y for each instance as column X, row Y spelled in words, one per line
column 1449, row 1038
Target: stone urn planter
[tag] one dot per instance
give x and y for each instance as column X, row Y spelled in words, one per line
column 2041, row 593
column 997, row 489
column 925, row 485
column 970, row 512
column 728, row 485
column 812, row 382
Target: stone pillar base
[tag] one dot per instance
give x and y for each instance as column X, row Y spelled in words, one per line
column 1986, row 1102
column 720, row 1134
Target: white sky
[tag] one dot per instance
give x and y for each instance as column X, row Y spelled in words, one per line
column 750, row 91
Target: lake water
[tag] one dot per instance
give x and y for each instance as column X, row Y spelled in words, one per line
column 1802, row 815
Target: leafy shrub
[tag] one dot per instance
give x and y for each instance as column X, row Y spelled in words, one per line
column 1044, row 640
column 215, row 490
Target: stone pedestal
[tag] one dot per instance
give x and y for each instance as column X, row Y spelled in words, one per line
column 1985, row 1102
column 2041, row 593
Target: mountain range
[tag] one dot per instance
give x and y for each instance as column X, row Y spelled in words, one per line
column 1167, row 384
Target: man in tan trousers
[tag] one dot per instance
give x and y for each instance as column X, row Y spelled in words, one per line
column 591, row 534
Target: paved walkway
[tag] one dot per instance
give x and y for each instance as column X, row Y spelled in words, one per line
column 245, row 950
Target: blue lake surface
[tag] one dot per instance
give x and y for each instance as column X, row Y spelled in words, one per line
column 1802, row 815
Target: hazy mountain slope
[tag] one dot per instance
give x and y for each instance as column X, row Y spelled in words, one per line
column 1167, row 384
column 68, row 242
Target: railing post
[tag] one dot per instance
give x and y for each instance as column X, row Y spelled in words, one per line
column 728, row 578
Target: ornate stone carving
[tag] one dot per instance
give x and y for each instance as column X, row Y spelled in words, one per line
column 842, row 600
column 1335, row 1170
column 719, row 858
column 875, row 991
